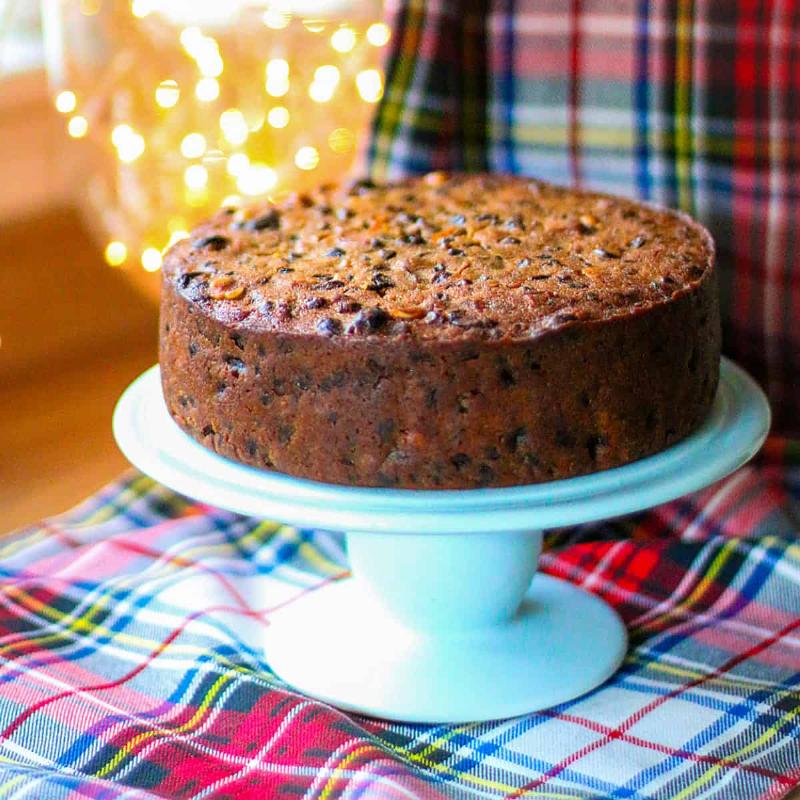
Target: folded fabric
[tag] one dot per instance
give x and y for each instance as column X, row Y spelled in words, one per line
column 132, row 665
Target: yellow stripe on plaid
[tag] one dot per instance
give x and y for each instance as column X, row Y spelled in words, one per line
column 683, row 103
column 132, row 745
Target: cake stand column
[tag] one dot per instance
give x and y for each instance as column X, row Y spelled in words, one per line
column 435, row 582
column 443, row 627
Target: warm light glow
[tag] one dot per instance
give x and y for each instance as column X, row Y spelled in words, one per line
column 120, row 134
column 151, row 259
column 207, row 89
column 306, row 157
column 141, row 8
column 210, row 62
column 196, row 198
column 378, row 34
column 320, row 93
column 116, row 253
column 234, row 126
column 167, row 94
column 277, row 87
column 324, row 85
column 237, row 164
column 204, row 50
column 278, row 117
column 255, row 118
column 326, row 74
column 231, row 201
column 341, row 140
column 277, row 77
column 193, row 145
column 176, row 237
column 343, row 40
column 78, row 127
column 370, row 85
column 275, row 19
column 257, row 179
column 190, row 38
column 314, row 25
column 130, row 145
column 277, row 68
column 131, row 148
column 89, row 7
column 195, row 176
column 66, row 102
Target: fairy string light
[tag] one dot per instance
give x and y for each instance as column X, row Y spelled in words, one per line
column 190, row 114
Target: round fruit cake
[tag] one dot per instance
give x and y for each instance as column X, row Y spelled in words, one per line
column 446, row 331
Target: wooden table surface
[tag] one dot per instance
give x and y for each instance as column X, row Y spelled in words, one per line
column 74, row 334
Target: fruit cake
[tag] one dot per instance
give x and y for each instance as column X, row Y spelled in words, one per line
column 447, row 331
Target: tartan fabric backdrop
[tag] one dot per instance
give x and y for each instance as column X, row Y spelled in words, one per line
column 132, row 666
column 130, row 658
column 688, row 103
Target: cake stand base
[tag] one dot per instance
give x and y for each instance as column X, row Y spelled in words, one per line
column 443, row 619
column 339, row 646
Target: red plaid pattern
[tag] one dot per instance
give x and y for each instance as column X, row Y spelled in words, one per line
column 688, row 103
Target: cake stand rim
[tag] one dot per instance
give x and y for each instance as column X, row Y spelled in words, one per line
column 734, row 431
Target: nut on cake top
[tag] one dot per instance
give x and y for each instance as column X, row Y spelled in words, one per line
column 442, row 256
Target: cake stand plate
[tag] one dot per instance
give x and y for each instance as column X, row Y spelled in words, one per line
column 444, row 619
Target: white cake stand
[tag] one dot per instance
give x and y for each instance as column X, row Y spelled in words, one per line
column 443, row 619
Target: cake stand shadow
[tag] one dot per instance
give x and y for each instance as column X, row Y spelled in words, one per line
column 444, row 618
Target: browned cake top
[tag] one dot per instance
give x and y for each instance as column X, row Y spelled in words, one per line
column 437, row 257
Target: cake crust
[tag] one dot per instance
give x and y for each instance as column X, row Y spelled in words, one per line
column 448, row 331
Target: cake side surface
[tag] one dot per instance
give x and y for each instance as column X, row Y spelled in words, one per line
column 441, row 384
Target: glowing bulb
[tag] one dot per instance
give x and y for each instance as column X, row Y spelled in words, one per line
column 207, row 89
column 120, row 134
column 320, row 93
column 131, row 148
column 370, row 85
column 167, row 94
column 195, row 176
column 141, row 8
column 257, row 179
column 341, row 140
column 277, row 77
column 210, row 63
column 78, row 127
column 327, row 74
column 277, row 20
column 378, row 34
column 231, row 201
column 306, row 157
column 277, row 68
column 343, row 40
column 255, row 118
column 66, row 102
column 193, row 145
column 116, row 253
column 277, row 87
column 130, row 145
column 234, row 126
column 278, row 117
column 326, row 79
column 190, row 38
column 151, row 259
column 238, row 163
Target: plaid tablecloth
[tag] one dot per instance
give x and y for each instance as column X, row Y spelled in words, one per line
column 131, row 663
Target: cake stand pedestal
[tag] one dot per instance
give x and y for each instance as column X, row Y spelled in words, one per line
column 444, row 619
